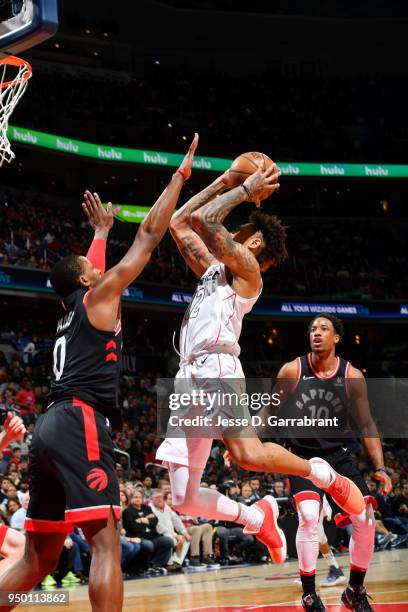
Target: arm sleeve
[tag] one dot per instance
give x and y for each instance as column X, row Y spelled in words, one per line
column 97, row 254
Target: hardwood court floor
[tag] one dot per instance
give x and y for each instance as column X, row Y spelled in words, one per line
column 252, row 588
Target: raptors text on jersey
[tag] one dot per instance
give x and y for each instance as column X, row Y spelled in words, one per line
column 319, row 397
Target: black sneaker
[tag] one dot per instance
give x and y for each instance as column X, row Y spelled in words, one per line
column 356, row 599
column 384, row 540
column 160, row 571
column 84, row 579
column 313, row 603
column 399, row 541
column 211, row 563
column 151, row 572
column 334, row 576
column 196, row 563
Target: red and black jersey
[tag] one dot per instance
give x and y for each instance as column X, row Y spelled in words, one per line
column 87, row 360
column 319, row 397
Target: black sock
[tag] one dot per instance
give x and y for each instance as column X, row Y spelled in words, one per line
column 356, row 578
column 308, row 584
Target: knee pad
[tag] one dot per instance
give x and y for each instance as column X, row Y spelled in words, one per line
column 308, row 513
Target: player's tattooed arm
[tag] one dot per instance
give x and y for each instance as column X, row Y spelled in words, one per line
column 208, row 223
column 191, row 247
column 183, row 214
column 193, row 250
column 369, row 433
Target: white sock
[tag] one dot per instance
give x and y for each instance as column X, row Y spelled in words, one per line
column 321, row 474
column 194, row 500
column 331, row 559
column 251, row 517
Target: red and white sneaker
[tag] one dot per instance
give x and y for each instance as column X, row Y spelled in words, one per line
column 343, row 491
column 270, row 533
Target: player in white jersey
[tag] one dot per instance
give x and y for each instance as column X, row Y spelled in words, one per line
column 229, row 268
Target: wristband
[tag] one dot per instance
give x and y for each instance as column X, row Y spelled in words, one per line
column 382, row 469
column 245, row 188
column 182, row 172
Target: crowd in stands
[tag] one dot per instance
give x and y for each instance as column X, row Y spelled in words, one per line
column 328, row 257
column 154, row 538
column 292, row 117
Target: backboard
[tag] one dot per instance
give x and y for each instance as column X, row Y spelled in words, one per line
column 25, row 23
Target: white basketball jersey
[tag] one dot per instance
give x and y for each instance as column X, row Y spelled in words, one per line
column 212, row 323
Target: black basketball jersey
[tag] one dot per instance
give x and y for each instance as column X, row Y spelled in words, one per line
column 319, row 397
column 86, row 360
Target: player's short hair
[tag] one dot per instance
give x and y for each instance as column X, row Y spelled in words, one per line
column 65, row 275
column 336, row 322
column 274, row 235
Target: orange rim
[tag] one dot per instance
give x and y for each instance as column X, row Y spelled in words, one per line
column 17, row 62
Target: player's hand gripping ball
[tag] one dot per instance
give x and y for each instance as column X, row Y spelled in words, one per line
column 244, row 165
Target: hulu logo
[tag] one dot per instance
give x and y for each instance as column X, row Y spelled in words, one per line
column 109, row 153
column 202, row 163
column 378, row 171
column 157, row 158
column 331, row 170
column 289, row 169
column 25, row 136
column 67, row 145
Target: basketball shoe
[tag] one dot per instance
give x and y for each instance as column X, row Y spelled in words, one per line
column 313, row 603
column 356, row 599
column 343, row 491
column 270, row 533
column 334, row 576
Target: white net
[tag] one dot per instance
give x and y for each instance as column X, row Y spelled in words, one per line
column 14, row 75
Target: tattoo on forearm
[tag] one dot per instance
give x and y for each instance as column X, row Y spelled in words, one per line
column 193, row 247
column 216, row 236
column 215, row 211
column 199, row 200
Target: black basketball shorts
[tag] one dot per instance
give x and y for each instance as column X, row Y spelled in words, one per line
column 71, row 469
column 342, row 461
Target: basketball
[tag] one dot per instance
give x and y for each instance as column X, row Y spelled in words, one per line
column 246, row 164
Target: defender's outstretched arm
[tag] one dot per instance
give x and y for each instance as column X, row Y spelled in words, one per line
column 105, row 297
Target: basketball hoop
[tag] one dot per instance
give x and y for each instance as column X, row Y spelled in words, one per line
column 14, row 75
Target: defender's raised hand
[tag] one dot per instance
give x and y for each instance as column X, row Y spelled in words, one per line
column 262, row 183
column 100, row 218
column 187, row 163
